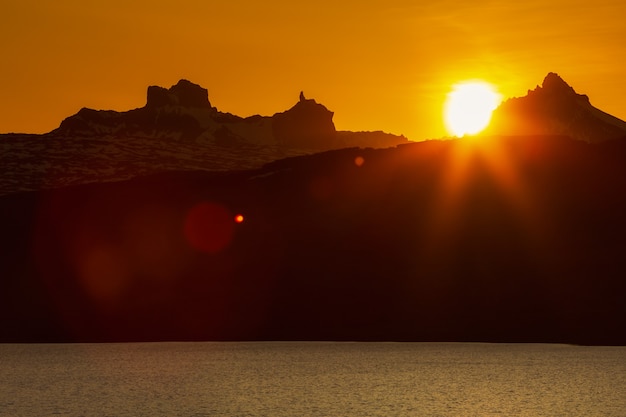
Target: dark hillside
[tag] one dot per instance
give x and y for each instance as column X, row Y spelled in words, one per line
column 506, row 239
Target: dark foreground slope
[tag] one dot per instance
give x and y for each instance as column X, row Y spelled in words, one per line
column 509, row 239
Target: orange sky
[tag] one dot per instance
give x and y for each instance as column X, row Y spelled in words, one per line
column 379, row 65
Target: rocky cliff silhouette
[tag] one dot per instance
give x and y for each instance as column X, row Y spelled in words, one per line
column 554, row 108
column 308, row 123
column 177, row 129
column 183, row 112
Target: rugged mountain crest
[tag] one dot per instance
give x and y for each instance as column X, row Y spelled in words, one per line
column 177, row 130
column 184, row 93
column 555, row 108
column 184, row 112
column 553, row 84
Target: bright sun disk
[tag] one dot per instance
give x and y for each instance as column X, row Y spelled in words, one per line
column 468, row 107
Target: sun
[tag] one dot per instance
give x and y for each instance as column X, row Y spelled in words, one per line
column 468, row 107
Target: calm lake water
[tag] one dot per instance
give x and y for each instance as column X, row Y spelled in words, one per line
column 297, row 379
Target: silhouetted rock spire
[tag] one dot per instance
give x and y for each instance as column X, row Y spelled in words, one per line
column 307, row 124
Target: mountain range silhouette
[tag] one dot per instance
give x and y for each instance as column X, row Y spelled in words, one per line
column 183, row 112
column 177, row 129
column 511, row 238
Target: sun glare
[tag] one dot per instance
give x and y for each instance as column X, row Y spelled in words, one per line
column 468, row 107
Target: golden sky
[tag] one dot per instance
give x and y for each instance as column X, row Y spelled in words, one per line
column 379, row 65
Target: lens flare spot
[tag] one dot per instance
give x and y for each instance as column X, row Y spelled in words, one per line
column 359, row 161
column 209, row 227
column 239, row 218
column 103, row 274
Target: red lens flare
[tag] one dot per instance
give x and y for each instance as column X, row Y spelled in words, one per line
column 209, row 227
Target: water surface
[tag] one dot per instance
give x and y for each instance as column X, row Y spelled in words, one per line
column 281, row 379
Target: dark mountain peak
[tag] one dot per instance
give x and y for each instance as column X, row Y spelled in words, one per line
column 554, row 84
column 555, row 88
column 184, row 93
column 308, row 123
column 555, row 108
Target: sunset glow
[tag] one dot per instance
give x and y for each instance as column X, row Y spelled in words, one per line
column 469, row 106
column 377, row 65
